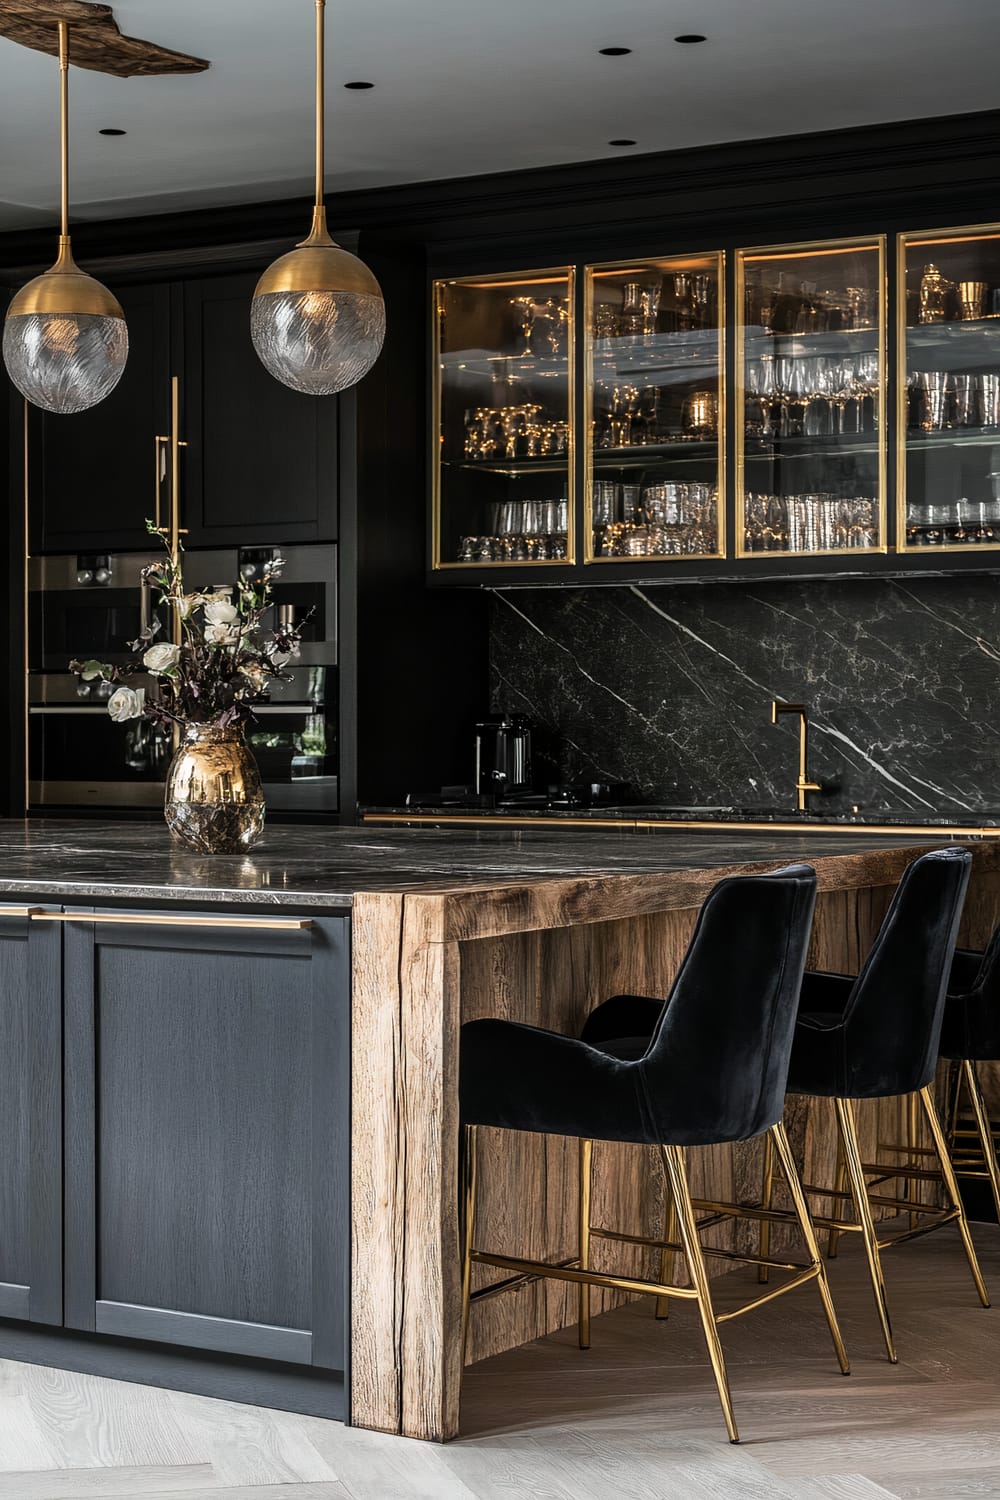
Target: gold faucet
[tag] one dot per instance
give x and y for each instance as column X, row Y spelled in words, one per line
column 803, row 784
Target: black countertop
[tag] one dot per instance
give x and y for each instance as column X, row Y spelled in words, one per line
column 323, row 867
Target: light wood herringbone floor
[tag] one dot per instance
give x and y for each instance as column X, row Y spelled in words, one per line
column 635, row 1416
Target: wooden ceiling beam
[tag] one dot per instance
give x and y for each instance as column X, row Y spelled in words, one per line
column 96, row 42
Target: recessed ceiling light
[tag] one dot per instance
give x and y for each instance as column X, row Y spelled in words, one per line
column 111, row 130
column 359, row 83
column 689, row 37
column 614, row 51
column 622, row 142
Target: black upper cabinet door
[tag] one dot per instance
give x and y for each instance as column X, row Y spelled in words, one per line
column 90, row 475
column 261, row 461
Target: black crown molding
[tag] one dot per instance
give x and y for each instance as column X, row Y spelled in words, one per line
column 943, row 170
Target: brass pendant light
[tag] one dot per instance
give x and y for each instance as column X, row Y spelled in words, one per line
column 317, row 319
column 65, row 342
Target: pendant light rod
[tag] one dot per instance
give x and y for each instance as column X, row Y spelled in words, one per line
column 64, row 131
column 320, row 98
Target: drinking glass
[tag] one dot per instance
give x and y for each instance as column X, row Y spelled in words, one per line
column 966, row 391
column 933, row 387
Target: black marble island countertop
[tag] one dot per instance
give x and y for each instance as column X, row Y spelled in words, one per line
column 78, row 861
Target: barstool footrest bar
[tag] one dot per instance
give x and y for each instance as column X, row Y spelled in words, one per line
column 809, row 1274
column 536, row 1268
column 511, row 1283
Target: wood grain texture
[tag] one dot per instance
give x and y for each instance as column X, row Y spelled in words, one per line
column 546, row 954
column 96, row 42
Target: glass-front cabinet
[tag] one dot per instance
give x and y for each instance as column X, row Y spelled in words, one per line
column 504, row 417
column 654, row 412
column 949, row 390
column 676, row 415
column 810, row 399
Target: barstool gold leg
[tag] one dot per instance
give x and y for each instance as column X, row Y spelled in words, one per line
column 676, row 1173
column 469, row 1172
column 839, row 1206
column 951, row 1183
column 955, row 1088
column 766, row 1199
column 794, row 1185
column 667, row 1257
column 985, row 1129
column 863, row 1209
column 910, row 1186
column 586, row 1163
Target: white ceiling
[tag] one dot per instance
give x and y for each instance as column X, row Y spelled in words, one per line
column 470, row 86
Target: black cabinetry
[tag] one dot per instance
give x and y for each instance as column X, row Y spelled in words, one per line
column 90, row 476
column 259, row 465
column 261, row 460
column 30, row 1118
column 200, row 1199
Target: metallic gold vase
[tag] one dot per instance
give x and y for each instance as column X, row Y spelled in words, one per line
column 214, row 801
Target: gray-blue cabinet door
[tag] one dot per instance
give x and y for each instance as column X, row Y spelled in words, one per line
column 207, row 1119
column 30, row 1117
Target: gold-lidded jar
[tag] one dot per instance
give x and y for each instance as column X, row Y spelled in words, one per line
column 214, row 800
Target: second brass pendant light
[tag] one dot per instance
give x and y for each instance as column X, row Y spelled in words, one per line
column 318, row 319
column 65, row 342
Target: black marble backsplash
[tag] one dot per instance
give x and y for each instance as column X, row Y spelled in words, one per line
column 670, row 689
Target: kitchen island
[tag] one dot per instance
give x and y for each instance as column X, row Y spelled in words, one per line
column 229, row 1087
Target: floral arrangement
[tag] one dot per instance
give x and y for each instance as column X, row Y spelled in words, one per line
column 222, row 664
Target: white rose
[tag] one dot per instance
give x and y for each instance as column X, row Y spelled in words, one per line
column 126, row 703
column 219, row 611
column 221, row 635
column 162, row 657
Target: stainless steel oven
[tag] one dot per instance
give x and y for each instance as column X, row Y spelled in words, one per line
column 92, row 606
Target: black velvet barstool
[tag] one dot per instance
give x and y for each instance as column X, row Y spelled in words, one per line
column 877, row 1036
column 971, row 1034
column 712, row 1069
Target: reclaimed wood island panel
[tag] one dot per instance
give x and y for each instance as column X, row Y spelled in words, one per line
column 319, row 984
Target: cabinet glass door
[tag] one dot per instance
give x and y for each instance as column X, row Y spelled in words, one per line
column 655, row 409
column 949, row 389
column 503, row 474
column 810, row 418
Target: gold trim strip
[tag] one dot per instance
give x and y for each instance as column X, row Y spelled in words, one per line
column 937, row 831
column 142, row 919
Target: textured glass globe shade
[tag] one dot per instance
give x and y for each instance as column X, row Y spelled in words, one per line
column 317, row 319
column 65, row 342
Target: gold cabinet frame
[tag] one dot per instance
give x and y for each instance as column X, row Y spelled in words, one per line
column 947, row 236
column 668, row 264
column 812, row 248
column 565, row 275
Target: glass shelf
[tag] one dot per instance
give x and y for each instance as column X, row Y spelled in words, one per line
column 503, row 399
column 654, row 409
column 949, row 390
column 810, row 399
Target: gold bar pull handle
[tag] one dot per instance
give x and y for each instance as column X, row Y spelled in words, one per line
column 152, row 919
column 159, row 474
column 19, row 911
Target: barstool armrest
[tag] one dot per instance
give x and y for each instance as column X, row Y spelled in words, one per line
column 622, row 1016
column 966, row 969
column 825, row 993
